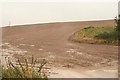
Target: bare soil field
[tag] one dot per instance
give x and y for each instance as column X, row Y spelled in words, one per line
column 64, row 58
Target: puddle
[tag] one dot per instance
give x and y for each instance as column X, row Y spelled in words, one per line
column 40, row 49
column 71, row 51
column 32, row 45
column 6, row 43
column 79, row 53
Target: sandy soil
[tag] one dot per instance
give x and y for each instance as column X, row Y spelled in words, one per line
column 65, row 58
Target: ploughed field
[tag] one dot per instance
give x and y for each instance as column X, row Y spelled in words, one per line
column 51, row 42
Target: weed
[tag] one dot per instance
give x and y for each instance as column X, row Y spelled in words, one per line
column 24, row 70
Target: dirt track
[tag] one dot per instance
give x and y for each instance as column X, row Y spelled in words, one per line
column 50, row 41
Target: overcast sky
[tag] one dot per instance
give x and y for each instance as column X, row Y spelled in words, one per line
column 19, row 13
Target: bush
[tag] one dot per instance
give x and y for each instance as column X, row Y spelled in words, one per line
column 117, row 20
column 107, row 36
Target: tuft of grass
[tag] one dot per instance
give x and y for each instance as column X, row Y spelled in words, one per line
column 101, row 35
column 24, row 70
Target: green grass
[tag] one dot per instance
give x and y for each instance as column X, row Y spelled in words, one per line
column 24, row 70
column 100, row 35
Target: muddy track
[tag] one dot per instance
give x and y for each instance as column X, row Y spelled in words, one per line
column 50, row 41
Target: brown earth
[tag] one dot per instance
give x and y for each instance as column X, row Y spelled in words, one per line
column 50, row 41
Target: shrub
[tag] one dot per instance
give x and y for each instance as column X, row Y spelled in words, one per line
column 117, row 21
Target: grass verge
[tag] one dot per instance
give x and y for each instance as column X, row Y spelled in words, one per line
column 99, row 35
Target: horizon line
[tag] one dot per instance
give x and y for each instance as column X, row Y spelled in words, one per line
column 53, row 22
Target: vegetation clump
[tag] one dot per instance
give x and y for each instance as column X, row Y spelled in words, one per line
column 99, row 35
column 24, row 70
column 117, row 21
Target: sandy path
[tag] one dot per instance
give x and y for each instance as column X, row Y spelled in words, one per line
column 50, row 41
